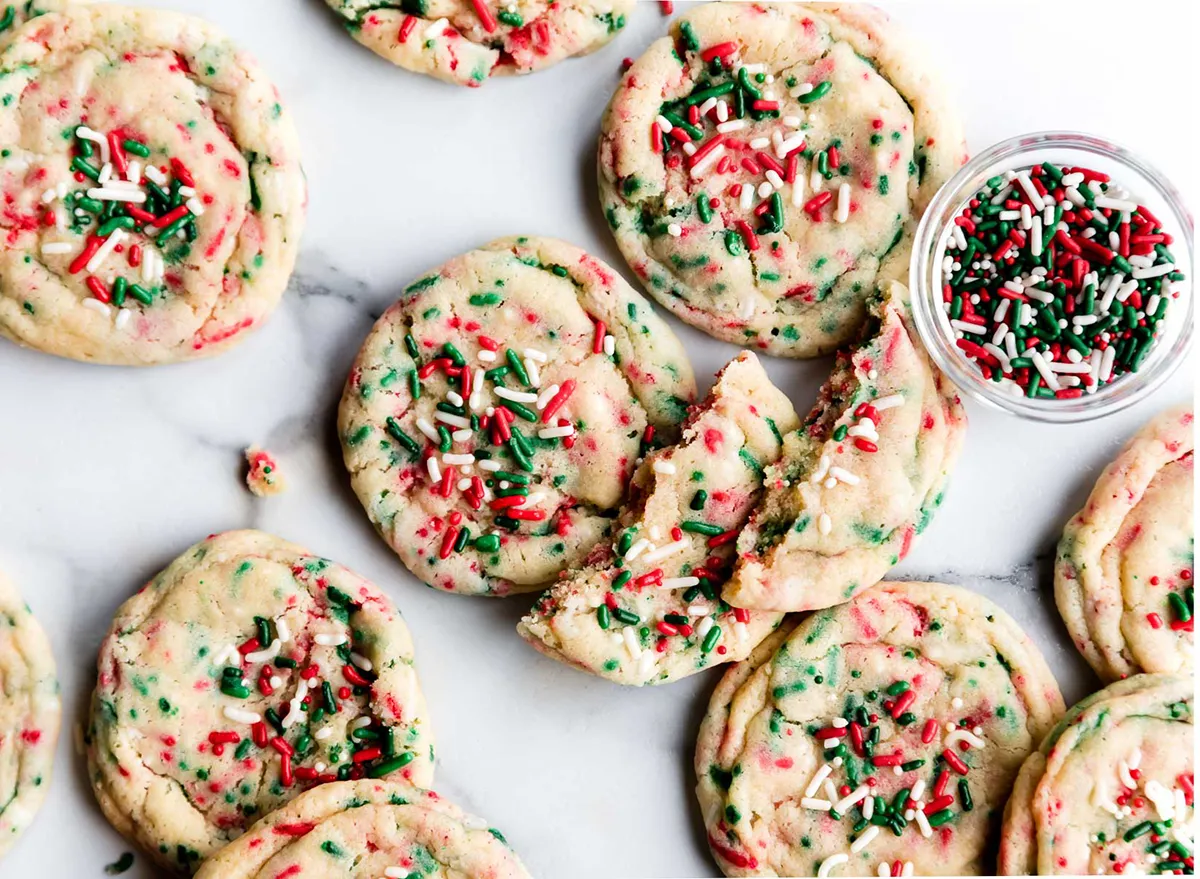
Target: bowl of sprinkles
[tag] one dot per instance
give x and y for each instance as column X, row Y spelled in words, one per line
column 1051, row 277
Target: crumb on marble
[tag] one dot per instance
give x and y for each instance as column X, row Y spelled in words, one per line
column 263, row 477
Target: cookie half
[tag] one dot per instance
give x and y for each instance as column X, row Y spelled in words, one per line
column 860, row 479
column 645, row 608
column 246, row 673
column 467, row 43
column 880, row 735
column 153, row 183
column 495, row 413
column 1123, row 572
column 30, row 714
column 368, row 829
column 767, row 163
column 1111, row 790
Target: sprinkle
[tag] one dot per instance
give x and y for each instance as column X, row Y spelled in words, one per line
column 836, row 860
column 865, row 840
column 335, row 639
column 239, row 715
column 814, row 803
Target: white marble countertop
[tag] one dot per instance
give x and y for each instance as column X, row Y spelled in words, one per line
column 106, row 474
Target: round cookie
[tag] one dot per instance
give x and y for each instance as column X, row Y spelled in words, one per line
column 495, row 413
column 465, row 42
column 765, row 164
column 245, row 673
column 30, row 711
column 1123, row 572
column 646, row 608
column 192, row 236
column 365, row 830
column 878, row 735
column 1111, row 790
column 861, row 479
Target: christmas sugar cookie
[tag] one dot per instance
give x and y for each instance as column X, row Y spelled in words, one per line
column 1123, row 576
column 154, row 198
column 881, row 737
column 30, row 709
column 495, row 413
column 366, row 830
column 860, row 479
column 1111, row 790
column 764, row 165
column 244, row 674
column 465, row 43
column 645, row 608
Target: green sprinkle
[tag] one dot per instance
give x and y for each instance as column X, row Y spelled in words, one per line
column 488, row 542
column 387, row 767
column 819, row 91
column 627, row 617
column 937, row 819
column 123, row 863
column 136, row 147
column 710, row 640
column 518, row 369
column 602, row 616
column 397, row 432
column 702, row 528
column 699, row 499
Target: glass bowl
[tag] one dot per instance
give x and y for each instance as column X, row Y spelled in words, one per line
column 1145, row 185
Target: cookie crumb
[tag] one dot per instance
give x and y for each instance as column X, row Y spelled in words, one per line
column 263, row 477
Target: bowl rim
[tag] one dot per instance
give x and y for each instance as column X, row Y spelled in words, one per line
column 924, row 269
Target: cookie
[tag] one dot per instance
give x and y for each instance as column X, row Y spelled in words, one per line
column 878, row 737
column 860, row 479
column 764, row 165
column 30, row 710
column 367, row 829
column 242, row 675
column 262, row 473
column 495, row 413
column 645, row 608
column 155, row 201
column 1111, row 790
column 466, row 43
column 1123, row 572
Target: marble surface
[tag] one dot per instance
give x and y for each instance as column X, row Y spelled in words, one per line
column 106, row 474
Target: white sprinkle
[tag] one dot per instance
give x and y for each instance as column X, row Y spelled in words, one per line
column 831, row 863
column 49, row 195
column 265, row 655
column 1154, row 271
column 328, row 639
column 546, row 396
column 514, row 396
column 843, row 475
column 814, row 803
column 923, row 823
column 489, row 465
column 747, row 197
column 1035, row 237
column 815, row 180
column 1010, row 216
column 453, row 420
column 657, row 555
column 798, row 190
column 731, row 125
column 454, row 398
column 610, row 345
column 631, row 643
column 865, row 840
column 639, row 546
column 124, row 316
column 97, row 306
column 663, row 123
column 436, row 29
column 556, row 432
column 824, row 524
column 97, row 138
column 105, row 250
column 428, row 429
column 114, row 193
column 765, row 189
column 962, row 735
column 803, row 89
column 463, row 484
column 964, row 327
column 856, row 796
column 1043, row 369
column 843, row 204
column 674, row 230
column 704, row 627
column 891, row 401
column 884, row 869
column 760, row 143
column 1027, row 185
column 435, row 472
column 52, row 248
column 153, row 173
column 1116, row 204
column 680, row 582
column 664, row 467
column 917, row 790
column 486, row 356
column 458, row 460
column 240, row 715
column 694, row 610
column 461, row 436
column 868, row 807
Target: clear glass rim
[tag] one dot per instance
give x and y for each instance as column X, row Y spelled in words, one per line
column 925, row 281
